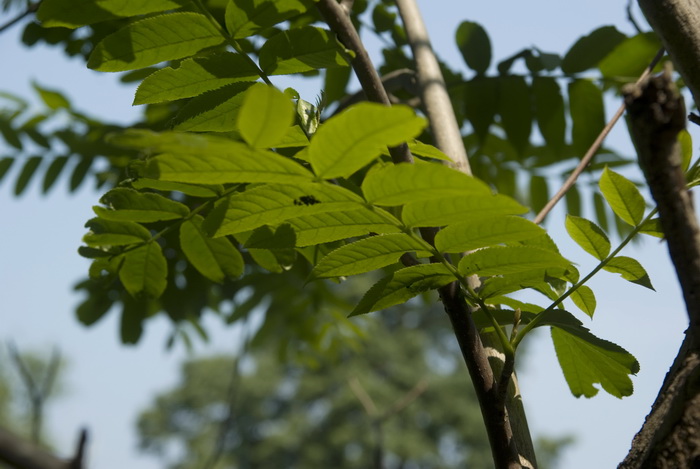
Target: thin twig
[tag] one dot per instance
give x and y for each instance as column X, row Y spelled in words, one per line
column 630, row 17
column 413, row 394
column 30, row 9
column 361, row 394
column 585, row 161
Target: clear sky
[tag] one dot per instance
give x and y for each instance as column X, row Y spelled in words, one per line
column 108, row 384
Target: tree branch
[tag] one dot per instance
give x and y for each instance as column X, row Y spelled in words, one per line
column 670, row 436
column 21, row 454
column 30, row 9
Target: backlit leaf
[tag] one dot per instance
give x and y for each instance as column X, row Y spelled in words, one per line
column 76, row 13
column 300, row 50
column 209, row 190
column 587, row 114
column 509, row 260
column 470, row 235
column 442, row 211
column 52, row 99
column 129, row 205
column 584, row 298
column 630, row 270
column 403, row 183
column 356, row 136
column 403, row 285
column 275, row 203
column 154, row 40
column 630, row 57
column 366, row 255
column 114, row 233
column 215, row 258
column 334, row 226
column 194, row 77
column 144, row 271
column 214, row 111
column 589, row 236
column 589, row 50
column 256, row 15
column 686, row 142
column 623, row 197
column 265, row 116
column 474, row 44
column 587, row 360
column 652, row 228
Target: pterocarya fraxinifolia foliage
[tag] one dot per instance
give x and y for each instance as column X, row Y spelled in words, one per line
column 247, row 178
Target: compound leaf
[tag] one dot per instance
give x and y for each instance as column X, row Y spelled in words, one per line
column 470, row 235
column 510, row 260
column 623, row 197
column 265, row 116
column 215, row 258
column 589, row 236
column 144, row 271
column 630, row 270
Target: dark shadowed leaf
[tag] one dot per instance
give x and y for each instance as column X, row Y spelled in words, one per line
column 481, row 103
column 300, row 50
column 630, row 57
column 76, row 13
column 474, row 44
column 248, row 17
column 27, row 173
column 515, row 108
column 549, row 111
column 589, row 50
column 215, row 258
column 587, row 114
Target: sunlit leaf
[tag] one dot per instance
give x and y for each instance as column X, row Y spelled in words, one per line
column 214, row 111
column 210, row 190
column 623, row 197
column 630, row 270
column 129, row 205
column 589, row 236
column 144, row 271
column 300, row 50
column 215, row 258
column 442, row 211
column 334, row 226
column 652, row 228
column 114, row 233
column 470, row 235
column 366, row 255
column 154, row 40
column 584, row 298
column 403, row 183
column 510, row 260
column 265, row 116
column 356, row 136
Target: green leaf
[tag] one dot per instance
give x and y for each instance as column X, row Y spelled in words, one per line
column 470, row 235
column 442, row 211
column 214, row 111
column 549, row 111
column 366, row 255
column 630, row 270
column 587, row 360
column 76, row 13
column 27, row 173
column 216, row 259
column 5, row 165
column 234, row 162
column 505, row 284
column 426, row 151
column 79, row 172
column 601, row 210
column 539, row 192
column 334, row 226
column 653, row 228
column 474, row 44
column 265, row 116
column 589, row 50
column 509, row 260
column 622, row 196
column 399, row 184
column 515, row 108
column 168, row 186
column 154, row 40
column 52, row 99
column 584, row 298
column 686, row 142
column 587, row 114
column 275, row 203
column 256, row 15
column 589, row 236
column 144, row 271
column 630, row 57
column 481, row 97
column 300, row 50
column 283, row 237
column 131, row 325
column 382, row 18
column 356, row 136
column 104, row 233
column 403, row 285
column 194, row 77
column 130, row 205
column 52, row 173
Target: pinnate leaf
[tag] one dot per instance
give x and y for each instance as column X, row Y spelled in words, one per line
column 76, row 13
column 265, row 116
column 334, row 226
column 300, row 50
column 358, row 135
column 474, row 234
column 587, row 360
column 129, row 205
column 399, row 184
column 144, row 271
column 630, row 270
column 403, row 285
column 443, row 211
column 256, row 15
column 215, row 258
column 214, row 111
column 622, row 196
column 584, row 298
column 510, row 260
column 114, row 233
column 154, row 40
column 367, row 254
column 589, row 236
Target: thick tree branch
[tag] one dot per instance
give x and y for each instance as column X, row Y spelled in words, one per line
column 670, row 436
column 21, row 454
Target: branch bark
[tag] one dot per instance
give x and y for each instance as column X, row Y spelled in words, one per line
column 21, row 454
column 670, row 436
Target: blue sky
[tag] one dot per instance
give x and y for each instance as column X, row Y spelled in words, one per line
column 108, row 384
